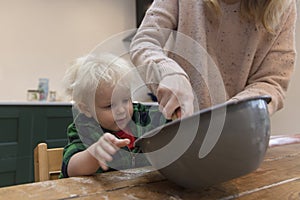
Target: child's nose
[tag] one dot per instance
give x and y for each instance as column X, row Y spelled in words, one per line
column 120, row 109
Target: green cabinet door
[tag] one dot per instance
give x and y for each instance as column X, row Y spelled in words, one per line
column 22, row 127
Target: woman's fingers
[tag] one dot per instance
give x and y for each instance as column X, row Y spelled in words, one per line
column 163, row 94
column 175, row 96
column 168, row 102
column 186, row 109
column 170, row 107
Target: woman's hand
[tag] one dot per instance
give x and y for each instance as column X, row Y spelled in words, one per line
column 175, row 96
column 105, row 147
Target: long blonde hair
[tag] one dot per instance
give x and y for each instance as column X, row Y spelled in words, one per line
column 267, row 12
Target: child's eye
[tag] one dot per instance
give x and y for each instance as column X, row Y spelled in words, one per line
column 108, row 106
column 126, row 101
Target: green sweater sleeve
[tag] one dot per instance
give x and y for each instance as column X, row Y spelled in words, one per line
column 74, row 146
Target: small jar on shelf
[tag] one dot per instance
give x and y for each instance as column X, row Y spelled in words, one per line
column 33, row 95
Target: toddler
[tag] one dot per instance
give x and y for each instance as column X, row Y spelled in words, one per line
column 106, row 121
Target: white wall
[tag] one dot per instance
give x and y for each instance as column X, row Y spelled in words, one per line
column 39, row 38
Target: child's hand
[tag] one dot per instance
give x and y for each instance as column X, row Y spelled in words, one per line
column 105, row 147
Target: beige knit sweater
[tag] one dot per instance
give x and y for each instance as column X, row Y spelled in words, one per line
column 224, row 58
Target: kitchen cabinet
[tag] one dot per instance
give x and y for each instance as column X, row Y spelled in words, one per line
column 22, row 127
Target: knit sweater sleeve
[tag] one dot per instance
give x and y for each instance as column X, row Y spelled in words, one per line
column 147, row 47
column 273, row 76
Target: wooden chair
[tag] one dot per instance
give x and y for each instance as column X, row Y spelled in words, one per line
column 47, row 162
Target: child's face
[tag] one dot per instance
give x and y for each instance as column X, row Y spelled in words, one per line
column 113, row 108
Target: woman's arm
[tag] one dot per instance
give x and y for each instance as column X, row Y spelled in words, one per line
column 273, row 75
column 167, row 80
column 147, row 45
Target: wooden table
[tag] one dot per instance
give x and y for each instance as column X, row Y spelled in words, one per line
column 277, row 178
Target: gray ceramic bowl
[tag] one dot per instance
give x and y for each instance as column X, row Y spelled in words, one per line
column 211, row 146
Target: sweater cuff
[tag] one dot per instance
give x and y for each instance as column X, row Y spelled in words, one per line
column 167, row 68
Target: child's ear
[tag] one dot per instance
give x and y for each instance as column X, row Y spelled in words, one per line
column 85, row 109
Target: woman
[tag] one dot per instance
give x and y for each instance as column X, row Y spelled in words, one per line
column 221, row 50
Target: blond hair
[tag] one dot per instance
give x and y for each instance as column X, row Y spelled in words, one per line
column 89, row 72
column 267, row 12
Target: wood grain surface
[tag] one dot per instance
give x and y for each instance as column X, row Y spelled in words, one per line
column 278, row 177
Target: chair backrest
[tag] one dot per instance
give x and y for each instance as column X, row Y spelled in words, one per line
column 47, row 162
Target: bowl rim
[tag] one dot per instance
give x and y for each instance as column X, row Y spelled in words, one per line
column 150, row 133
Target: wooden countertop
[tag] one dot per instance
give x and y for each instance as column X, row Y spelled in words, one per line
column 277, row 178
